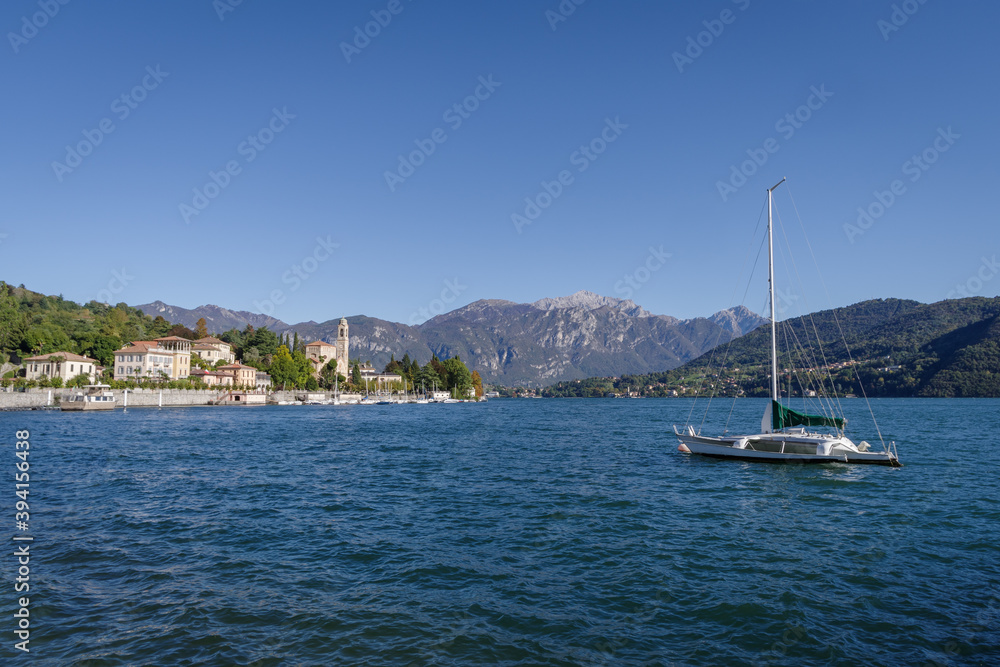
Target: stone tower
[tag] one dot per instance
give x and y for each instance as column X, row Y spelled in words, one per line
column 342, row 349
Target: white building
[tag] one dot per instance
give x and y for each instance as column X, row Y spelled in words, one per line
column 212, row 350
column 263, row 381
column 65, row 365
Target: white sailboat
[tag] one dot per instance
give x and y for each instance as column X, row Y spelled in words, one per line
column 783, row 435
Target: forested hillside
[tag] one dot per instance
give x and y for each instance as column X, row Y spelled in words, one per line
column 889, row 347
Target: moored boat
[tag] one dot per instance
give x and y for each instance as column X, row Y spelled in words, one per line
column 783, row 437
column 94, row 397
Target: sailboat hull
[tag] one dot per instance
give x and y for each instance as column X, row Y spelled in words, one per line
column 779, row 448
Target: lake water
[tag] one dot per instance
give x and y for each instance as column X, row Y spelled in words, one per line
column 517, row 532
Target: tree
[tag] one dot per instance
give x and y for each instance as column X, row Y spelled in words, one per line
column 283, row 371
column 46, row 337
column 439, row 368
column 356, row 375
column 428, row 378
column 201, row 328
column 103, row 348
column 459, row 379
column 181, row 331
column 329, row 377
column 13, row 322
column 303, row 368
column 477, row 383
column 158, row 328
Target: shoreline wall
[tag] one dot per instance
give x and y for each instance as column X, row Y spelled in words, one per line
column 38, row 398
column 148, row 398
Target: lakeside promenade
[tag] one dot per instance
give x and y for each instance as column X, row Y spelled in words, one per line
column 37, row 398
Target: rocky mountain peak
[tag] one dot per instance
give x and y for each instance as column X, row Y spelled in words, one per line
column 590, row 301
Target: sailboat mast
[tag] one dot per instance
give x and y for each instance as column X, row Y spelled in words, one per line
column 770, row 270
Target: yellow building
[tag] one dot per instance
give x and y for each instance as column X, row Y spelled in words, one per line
column 243, row 375
column 167, row 358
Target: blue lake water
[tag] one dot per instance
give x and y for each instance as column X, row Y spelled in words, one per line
column 518, row 532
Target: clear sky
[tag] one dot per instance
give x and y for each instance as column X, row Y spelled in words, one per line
column 212, row 152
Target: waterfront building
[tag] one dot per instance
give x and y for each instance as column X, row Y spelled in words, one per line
column 212, row 350
column 65, row 365
column 243, row 375
column 321, row 352
column 181, row 354
column 139, row 362
column 167, row 358
column 263, row 381
column 213, row 378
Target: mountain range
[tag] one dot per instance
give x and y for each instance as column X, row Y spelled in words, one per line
column 887, row 347
column 532, row 344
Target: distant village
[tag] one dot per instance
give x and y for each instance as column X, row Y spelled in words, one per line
column 176, row 358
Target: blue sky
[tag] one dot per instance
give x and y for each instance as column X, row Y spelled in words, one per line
column 309, row 118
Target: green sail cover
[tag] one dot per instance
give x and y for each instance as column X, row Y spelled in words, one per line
column 782, row 417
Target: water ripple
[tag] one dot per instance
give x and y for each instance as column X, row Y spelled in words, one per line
column 516, row 532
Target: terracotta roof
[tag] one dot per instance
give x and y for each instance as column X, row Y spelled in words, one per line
column 211, row 339
column 203, row 346
column 236, row 366
column 320, row 342
column 135, row 349
column 68, row 355
column 201, row 372
column 174, row 338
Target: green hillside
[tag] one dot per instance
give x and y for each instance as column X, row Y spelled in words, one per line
column 33, row 323
column 890, row 347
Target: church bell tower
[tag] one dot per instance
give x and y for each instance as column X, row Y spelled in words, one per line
column 342, row 349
